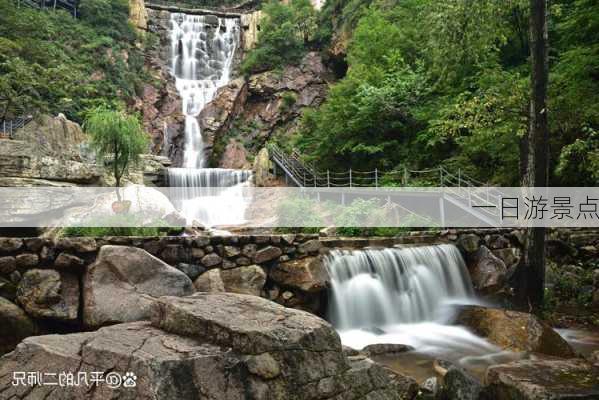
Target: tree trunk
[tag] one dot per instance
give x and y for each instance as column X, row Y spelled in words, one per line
column 537, row 150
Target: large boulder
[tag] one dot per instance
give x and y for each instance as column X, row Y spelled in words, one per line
column 515, row 331
column 487, row 271
column 219, row 346
column 46, row 293
column 15, row 326
column 307, row 274
column 543, row 379
column 124, row 281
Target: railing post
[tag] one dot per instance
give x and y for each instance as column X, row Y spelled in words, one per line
column 304, row 178
column 459, row 177
column 350, row 177
column 440, row 176
column 376, row 177
column 405, row 176
column 328, row 179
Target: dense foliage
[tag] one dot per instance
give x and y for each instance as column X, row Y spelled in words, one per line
column 117, row 136
column 447, row 82
column 51, row 62
column 285, row 32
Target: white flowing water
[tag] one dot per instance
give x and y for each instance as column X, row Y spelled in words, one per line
column 202, row 52
column 212, row 196
column 405, row 296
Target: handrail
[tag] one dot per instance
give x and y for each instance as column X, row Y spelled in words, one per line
column 69, row 5
column 9, row 128
column 306, row 174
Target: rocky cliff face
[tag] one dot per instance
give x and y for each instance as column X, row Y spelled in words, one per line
column 248, row 112
column 160, row 104
column 48, row 151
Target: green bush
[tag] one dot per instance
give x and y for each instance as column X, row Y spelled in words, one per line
column 135, row 226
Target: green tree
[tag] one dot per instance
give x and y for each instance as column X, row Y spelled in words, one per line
column 285, row 30
column 117, row 136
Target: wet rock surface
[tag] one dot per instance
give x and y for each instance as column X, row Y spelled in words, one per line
column 513, row 330
column 543, row 378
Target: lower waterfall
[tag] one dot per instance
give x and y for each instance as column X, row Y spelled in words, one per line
column 211, row 196
column 405, row 296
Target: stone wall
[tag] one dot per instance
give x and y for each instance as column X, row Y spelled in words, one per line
column 44, row 280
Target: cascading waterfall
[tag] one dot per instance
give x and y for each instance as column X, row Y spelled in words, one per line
column 202, row 52
column 403, row 296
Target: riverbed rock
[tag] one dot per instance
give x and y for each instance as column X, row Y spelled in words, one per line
column 487, row 271
column 307, row 274
column 213, row 346
column 244, row 280
column 210, row 282
column 191, row 270
column 7, row 265
column 8, row 289
column 543, row 378
column 469, row 242
column 46, row 293
column 211, row 260
column 68, row 261
column 267, row 254
column 15, row 325
column 123, row 282
column 385, row 349
column 513, row 330
column 8, row 245
column 460, row 385
column 27, row 260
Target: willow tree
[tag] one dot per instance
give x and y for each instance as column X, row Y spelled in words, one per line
column 117, row 137
column 536, row 160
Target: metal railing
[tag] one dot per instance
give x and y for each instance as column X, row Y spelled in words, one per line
column 306, row 174
column 460, row 189
column 69, row 5
column 8, row 128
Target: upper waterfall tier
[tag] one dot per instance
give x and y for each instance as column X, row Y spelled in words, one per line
column 202, row 52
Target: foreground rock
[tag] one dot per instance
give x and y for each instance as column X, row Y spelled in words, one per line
column 212, row 346
column 545, row 378
column 515, row 331
column 124, row 281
